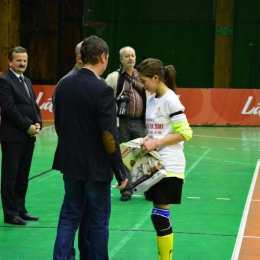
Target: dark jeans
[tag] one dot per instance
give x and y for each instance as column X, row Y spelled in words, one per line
column 130, row 129
column 86, row 206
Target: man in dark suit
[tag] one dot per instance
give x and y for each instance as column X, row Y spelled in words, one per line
column 75, row 70
column 87, row 154
column 20, row 123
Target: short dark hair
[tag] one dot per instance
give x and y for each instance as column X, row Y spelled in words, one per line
column 17, row 49
column 92, row 48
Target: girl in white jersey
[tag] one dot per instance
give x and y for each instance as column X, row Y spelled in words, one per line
column 167, row 129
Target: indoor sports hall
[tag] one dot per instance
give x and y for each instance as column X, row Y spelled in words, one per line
column 214, row 45
column 217, row 220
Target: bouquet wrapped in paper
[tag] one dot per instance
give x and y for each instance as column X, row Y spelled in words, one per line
column 146, row 169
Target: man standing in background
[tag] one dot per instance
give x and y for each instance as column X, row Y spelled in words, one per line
column 20, row 124
column 128, row 91
column 75, row 70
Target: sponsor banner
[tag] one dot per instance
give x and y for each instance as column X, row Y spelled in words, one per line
column 44, row 100
column 221, row 106
column 202, row 106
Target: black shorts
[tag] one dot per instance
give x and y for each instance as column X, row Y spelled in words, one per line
column 166, row 191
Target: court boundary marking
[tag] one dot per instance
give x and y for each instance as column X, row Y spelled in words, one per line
column 46, row 127
column 228, row 138
column 42, row 173
column 123, row 241
column 242, row 226
column 197, row 162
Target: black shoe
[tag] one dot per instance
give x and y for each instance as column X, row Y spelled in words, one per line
column 125, row 197
column 16, row 220
column 26, row 216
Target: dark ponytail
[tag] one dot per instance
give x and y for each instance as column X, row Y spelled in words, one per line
column 151, row 67
column 170, row 78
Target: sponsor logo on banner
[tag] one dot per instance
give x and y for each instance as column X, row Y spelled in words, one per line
column 43, row 95
column 202, row 106
column 251, row 110
column 44, row 105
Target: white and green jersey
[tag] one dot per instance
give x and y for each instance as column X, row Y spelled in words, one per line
column 160, row 124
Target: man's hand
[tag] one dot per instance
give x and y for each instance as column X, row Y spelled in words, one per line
column 38, row 126
column 122, row 184
column 34, row 130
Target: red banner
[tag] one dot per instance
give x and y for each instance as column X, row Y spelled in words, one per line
column 202, row 106
column 44, row 100
column 221, row 106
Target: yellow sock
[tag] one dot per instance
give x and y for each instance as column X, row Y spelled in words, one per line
column 165, row 247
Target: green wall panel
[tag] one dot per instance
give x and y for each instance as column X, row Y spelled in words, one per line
column 180, row 33
column 246, row 67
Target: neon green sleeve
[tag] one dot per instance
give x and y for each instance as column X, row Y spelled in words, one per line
column 183, row 128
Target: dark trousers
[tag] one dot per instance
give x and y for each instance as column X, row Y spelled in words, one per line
column 87, row 206
column 16, row 164
column 129, row 129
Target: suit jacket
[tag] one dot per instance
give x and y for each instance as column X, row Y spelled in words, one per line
column 85, row 121
column 73, row 71
column 18, row 110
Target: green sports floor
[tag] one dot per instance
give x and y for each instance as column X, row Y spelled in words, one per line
column 220, row 166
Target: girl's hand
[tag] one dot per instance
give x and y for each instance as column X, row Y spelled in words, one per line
column 148, row 146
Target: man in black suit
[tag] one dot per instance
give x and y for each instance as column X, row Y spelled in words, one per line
column 87, row 154
column 20, row 124
column 75, row 70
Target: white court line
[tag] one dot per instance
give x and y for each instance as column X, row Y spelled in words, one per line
column 128, row 235
column 46, row 127
column 198, row 198
column 241, row 231
column 228, row 138
column 218, row 160
column 197, row 162
column 216, row 137
column 250, row 237
column 51, row 175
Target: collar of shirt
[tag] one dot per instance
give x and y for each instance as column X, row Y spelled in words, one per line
column 93, row 72
column 135, row 73
column 76, row 68
column 17, row 75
